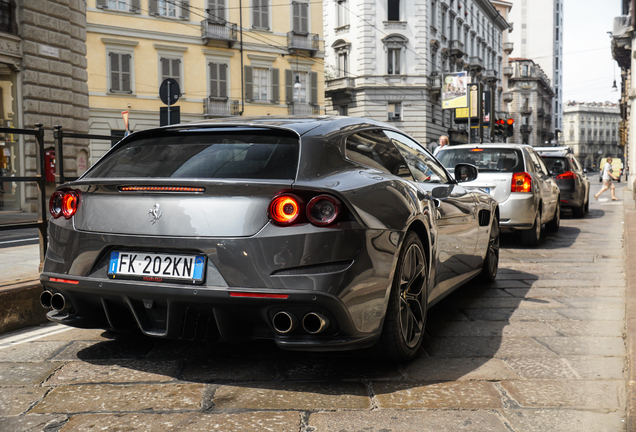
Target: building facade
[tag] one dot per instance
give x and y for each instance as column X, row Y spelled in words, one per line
column 531, row 104
column 385, row 60
column 623, row 53
column 538, row 35
column 591, row 130
column 43, row 80
column 251, row 57
column 503, row 111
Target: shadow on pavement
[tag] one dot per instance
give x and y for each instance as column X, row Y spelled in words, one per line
column 464, row 332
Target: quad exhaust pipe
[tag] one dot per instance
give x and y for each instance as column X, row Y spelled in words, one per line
column 45, row 299
column 315, row 322
column 284, row 322
column 59, row 303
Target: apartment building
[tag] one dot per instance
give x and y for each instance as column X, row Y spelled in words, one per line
column 385, row 60
column 246, row 57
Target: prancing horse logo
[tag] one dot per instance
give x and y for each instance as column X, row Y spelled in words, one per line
column 154, row 213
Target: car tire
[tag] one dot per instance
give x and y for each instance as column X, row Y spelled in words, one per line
column 532, row 237
column 491, row 262
column 579, row 212
column 553, row 225
column 405, row 318
column 586, row 207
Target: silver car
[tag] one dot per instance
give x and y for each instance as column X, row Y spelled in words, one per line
column 516, row 176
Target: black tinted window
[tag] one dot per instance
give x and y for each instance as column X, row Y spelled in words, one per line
column 375, row 150
column 203, row 155
column 557, row 165
column 486, row 159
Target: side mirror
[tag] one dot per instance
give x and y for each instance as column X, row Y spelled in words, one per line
column 465, row 172
column 585, row 170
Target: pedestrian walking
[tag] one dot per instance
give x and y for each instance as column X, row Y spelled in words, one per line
column 443, row 140
column 607, row 176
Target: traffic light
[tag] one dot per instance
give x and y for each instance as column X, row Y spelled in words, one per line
column 510, row 127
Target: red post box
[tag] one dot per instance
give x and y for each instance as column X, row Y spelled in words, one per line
column 49, row 165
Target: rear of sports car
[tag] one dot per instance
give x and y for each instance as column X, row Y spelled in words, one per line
column 201, row 233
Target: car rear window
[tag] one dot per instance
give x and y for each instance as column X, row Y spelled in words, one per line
column 557, row 165
column 226, row 155
column 486, row 159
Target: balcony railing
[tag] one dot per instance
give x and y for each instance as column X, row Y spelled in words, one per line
column 299, row 108
column 525, row 128
column 457, row 48
column 221, row 107
column 212, row 30
column 508, row 70
column 507, row 97
column 508, row 47
column 489, row 74
column 308, row 42
column 540, row 112
column 340, row 84
column 526, row 110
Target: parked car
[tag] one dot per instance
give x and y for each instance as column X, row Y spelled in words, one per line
column 517, row 178
column 617, row 168
column 324, row 233
column 570, row 176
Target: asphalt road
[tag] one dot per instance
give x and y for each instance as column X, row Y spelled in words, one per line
column 541, row 349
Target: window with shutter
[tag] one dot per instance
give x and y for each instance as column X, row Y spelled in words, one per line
column 120, row 72
column 121, row 5
column 216, row 10
column 171, row 68
column 300, row 13
column 260, row 82
column 260, row 14
column 218, row 80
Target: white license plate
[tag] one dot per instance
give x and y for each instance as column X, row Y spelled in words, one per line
column 155, row 267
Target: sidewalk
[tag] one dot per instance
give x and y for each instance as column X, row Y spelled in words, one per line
column 629, row 232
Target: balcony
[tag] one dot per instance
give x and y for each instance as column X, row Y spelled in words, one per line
column 525, row 129
column 526, row 110
column 508, row 47
column 508, row 70
column 622, row 41
column 303, row 41
column 299, row 108
column 507, row 97
column 212, row 30
column 457, row 48
column 489, row 74
column 540, row 112
column 475, row 62
column 622, row 26
column 435, row 83
column 220, row 107
column 340, row 84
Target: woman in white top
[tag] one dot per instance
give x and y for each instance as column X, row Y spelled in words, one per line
column 607, row 180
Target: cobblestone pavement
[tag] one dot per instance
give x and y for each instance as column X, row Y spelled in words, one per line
column 541, row 349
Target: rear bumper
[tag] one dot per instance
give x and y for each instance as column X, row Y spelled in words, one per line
column 193, row 313
column 518, row 211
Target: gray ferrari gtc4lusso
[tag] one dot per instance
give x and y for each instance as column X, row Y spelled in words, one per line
column 322, row 233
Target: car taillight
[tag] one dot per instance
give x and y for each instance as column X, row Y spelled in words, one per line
column 521, row 182
column 64, row 203
column 323, row 210
column 285, row 209
column 568, row 175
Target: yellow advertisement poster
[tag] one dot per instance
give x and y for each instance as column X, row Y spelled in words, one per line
column 455, row 90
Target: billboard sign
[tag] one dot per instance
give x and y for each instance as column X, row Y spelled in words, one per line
column 455, row 90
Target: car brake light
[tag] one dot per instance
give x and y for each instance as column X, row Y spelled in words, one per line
column 521, row 182
column 64, row 203
column 323, row 210
column 568, row 175
column 285, row 209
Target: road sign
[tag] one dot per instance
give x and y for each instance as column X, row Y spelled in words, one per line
column 169, row 91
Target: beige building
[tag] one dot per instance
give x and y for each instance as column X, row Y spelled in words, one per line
column 531, row 103
column 592, row 131
column 252, row 57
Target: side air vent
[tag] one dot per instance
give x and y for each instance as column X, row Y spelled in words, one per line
column 484, row 217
